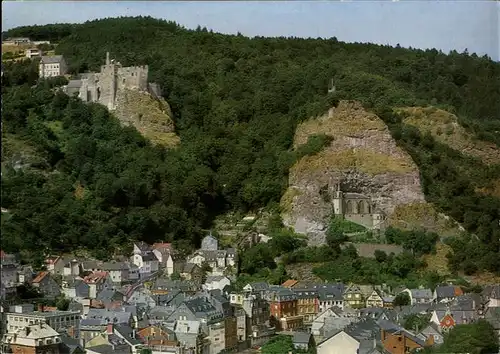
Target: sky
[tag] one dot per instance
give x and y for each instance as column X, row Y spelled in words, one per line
column 445, row 25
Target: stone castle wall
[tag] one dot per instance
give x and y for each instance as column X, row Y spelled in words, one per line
column 103, row 87
column 133, row 77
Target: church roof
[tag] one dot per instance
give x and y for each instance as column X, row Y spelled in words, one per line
column 355, row 196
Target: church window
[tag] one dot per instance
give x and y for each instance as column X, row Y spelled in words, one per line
column 349, row 207
column 355, row 208
column 365, row 207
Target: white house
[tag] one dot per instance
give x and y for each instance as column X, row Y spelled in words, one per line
column 146, row 262
column 97, row 282
column 162, row 252
column 118, row 271
column 216, row 282
column 52, row 66
column 35, row 338
column 145, row 258
column 198, row 257
column 339, row 343
column 55, row 264
column 218, row 260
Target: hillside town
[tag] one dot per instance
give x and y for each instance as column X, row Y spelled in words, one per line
column 235, row 193
column 159, row 300
column 163, row 301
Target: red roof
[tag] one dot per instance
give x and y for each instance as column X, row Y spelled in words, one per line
column 289, row 283
column 52, row 259
column 447, row 321
column 161, row 245
column 113, row 305
column 40, row 277
column 95, row 277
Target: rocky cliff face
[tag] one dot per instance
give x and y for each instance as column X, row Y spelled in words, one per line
column 150, row 116
column 363, row 157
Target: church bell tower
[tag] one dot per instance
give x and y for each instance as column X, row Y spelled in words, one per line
column 338, row 201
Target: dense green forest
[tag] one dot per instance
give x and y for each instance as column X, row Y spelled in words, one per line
column 236, row 103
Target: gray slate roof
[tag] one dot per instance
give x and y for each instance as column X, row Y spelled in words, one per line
column 143, row 246
column 447, row 291
column 421, row 293
column 149, row 257
column 301, row 337
column 127, row 333
column 199, row 305
column 55, row 59
column 460, row 317
column 259, row 286
column 107, row 316
column 182, row 285
column 114, row 266
column 109, row 295
column 89, row 265
column 174, row 298
column 330, row 293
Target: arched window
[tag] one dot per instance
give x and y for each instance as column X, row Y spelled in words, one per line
column 355, row 207
column 349, row 207
column 365, row 207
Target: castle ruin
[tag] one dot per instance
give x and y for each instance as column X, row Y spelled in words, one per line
column 102, row 87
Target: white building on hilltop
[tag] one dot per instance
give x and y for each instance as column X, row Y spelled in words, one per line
column 52, row 66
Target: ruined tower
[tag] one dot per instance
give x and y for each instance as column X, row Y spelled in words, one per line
column 106, row 84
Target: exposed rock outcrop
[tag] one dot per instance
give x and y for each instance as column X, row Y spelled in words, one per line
column 150, row 116
column 445, row 128
column 363, row 157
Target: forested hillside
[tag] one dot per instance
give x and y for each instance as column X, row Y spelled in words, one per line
column 236, row 102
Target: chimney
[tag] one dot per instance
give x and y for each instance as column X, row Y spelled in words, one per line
column 107, row 58
column 109, row 328
column 133, row 333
